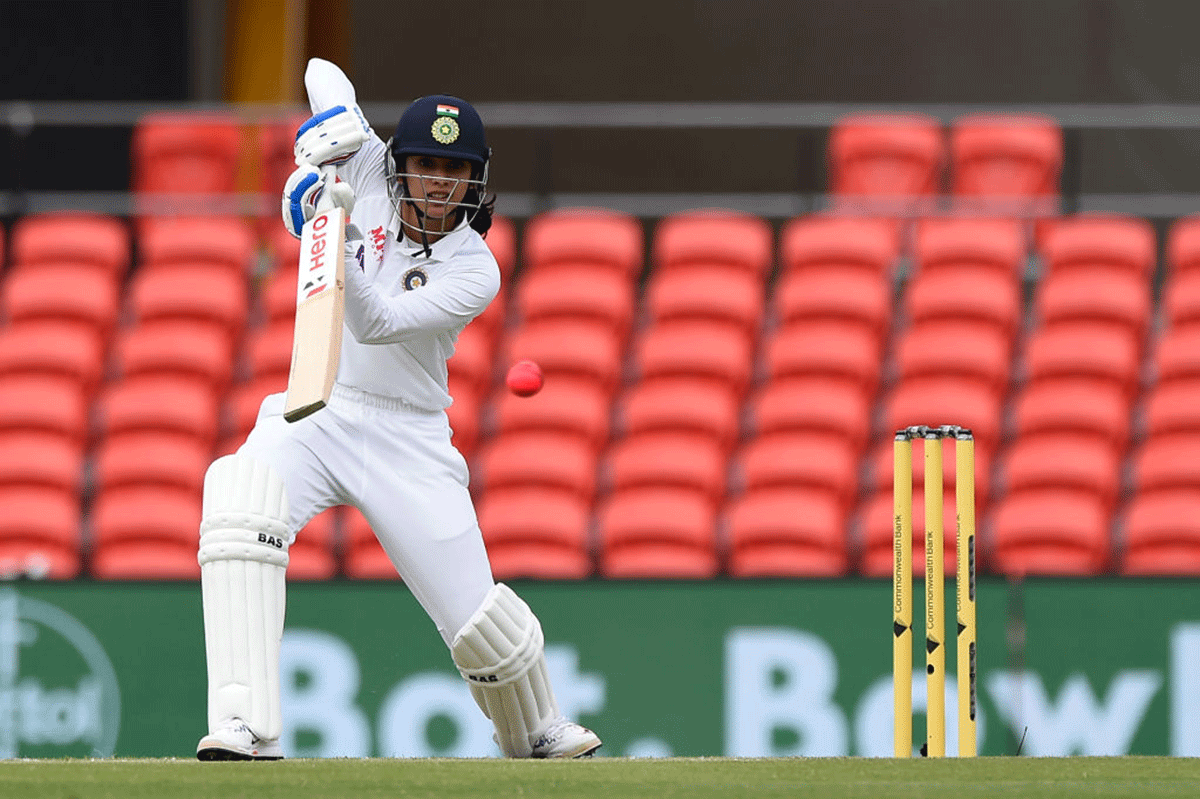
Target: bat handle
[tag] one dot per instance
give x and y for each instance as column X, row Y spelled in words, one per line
column 325, row 201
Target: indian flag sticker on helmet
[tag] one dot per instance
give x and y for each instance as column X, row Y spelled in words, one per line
column 447, row 111
column 445, row 129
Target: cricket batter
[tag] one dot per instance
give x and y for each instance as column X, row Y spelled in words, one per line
column 417, row 271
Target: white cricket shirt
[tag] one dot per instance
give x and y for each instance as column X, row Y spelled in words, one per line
column 404, row 310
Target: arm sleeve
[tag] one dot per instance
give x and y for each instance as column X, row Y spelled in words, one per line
column 444, row 304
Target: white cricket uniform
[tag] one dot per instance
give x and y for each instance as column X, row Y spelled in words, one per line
column 383, row 442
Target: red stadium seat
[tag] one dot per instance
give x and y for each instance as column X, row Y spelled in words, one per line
column 40, row 404
column 181, row 350
column 882, row 155
column 1086, row 351
column 713, row 237
column 1095, row 242
column 186, row 152
column 852, row 297
column 1079, row 464
column 585, row 236
column 598, row 295
column 79, row 295
column 800, row 462
column 787, row 533
column 837, row 243
column 1050, row 532
column 1118, row 299
column 670, row 460
column 814, row 407
column 1181, row 300
column 80, row 239
column 718, row 294
column 1173, row 408
column 695, row 407
column 878, row 526
column 1168, row 462
column 141, row 532
column 534, row 533
column 698, row 350
column 313, row 554
column 228, row 243
column 1176, row 356
column 42, row 461
column 976, row 297
column 40, row 533
column 150, row 459
column 164, row 406
column 195, row 293
column 1005, row 156
column 963, row 350
column 1183, row 246
column 1161, row 534
column 969, row 243
column 569, row 349
column 268, row 350
column 827, row 350
column 52, row 349
column 566, row 407
column 1076, row 407
column 277, row 294
column 654, row 533
column 538, row 459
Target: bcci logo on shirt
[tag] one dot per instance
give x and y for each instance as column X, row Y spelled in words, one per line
column 59, row 695
column 414, row 278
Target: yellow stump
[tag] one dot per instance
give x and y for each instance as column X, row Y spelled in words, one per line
column 935, row 600
column 964, row 470
column 902, row 599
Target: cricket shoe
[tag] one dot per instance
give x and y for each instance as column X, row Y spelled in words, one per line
column 565, row 738
column 234, row 740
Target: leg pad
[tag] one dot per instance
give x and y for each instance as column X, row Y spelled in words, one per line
column 243, row 559
column 500, row 654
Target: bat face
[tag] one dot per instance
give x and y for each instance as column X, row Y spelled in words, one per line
column 320, row 304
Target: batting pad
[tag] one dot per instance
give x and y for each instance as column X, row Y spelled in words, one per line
column 243, row 558
column 499, row 652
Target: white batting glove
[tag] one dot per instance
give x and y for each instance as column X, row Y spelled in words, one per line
column 332, row 136
column 303, row 191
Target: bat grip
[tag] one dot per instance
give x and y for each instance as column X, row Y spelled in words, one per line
column 325, row 201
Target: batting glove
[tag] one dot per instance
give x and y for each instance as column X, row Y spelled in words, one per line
column 303, row 191
column 332, row 136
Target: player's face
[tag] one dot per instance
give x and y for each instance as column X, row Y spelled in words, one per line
column 437, row 184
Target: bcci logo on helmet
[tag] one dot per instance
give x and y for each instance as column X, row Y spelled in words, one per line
column 59, row 695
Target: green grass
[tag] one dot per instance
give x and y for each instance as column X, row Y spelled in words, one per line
column 609, row 778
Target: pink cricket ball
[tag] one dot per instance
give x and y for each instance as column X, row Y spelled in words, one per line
column 524, row 378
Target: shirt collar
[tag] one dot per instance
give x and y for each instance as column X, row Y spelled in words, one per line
column 441, row 250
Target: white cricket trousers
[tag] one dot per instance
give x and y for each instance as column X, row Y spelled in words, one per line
column 396, row 464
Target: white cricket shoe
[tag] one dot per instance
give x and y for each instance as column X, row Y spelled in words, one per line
column 234, row 740
column 565, row 738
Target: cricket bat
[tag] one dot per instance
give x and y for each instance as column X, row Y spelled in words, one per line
column 320, row 305
column 321, row 283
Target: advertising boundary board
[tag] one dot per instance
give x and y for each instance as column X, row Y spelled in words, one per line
column 724, row 667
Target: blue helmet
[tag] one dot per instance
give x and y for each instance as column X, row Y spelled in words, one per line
column 441, row 125
column 449, row 127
